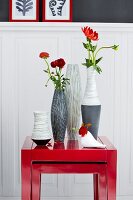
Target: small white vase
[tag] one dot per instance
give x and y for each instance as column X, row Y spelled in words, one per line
column 41, row 133
column 91, row 107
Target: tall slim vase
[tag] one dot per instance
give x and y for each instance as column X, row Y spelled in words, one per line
column 59, row 115
column 91, row 107
column 73, row 99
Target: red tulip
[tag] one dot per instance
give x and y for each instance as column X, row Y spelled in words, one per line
column 83, row 131
column 44, row 55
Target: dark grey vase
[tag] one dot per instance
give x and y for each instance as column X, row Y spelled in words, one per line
column 59, row 115
column 91, row 114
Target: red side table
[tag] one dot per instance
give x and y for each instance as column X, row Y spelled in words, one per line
column 69, row 157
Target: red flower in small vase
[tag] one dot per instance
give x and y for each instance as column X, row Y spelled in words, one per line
column 60, row 63
column 56, row 77
column 90, row 34
column 83, row 131
column 44, row 55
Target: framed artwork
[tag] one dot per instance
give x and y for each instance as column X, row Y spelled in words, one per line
column 24, row 10
column 57, row 10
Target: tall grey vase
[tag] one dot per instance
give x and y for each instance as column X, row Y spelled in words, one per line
column 73, row 99
column 91, row 107
column 59, row 115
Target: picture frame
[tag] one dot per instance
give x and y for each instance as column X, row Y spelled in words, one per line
column 57, row 11
column 21, row 11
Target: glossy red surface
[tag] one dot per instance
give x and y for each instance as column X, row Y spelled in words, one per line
column 69, row 157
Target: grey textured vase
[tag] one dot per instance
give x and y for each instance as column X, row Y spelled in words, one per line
column 73, row 99
column 91, row 114
column 59, row 115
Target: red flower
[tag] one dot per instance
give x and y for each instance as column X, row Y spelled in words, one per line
column 83, row 131
column 53, row 64
column 60, row 63
column 95, row 36
column 44, row 55
column 90, row 34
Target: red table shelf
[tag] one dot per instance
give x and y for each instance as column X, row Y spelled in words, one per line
column 69, row 157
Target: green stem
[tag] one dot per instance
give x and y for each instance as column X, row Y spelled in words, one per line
column 48, row 69
column 94, row 60
column 47, row 82
column 60, row 78
column 89, row 55
column 101, row 49
column 49, row 73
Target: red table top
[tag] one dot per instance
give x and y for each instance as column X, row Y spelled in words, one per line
column 70, row 150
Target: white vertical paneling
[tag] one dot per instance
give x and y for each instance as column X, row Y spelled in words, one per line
column 49, row 183
column 0, row 115
column 127, row 117
column 8, row 125
column 22, row 91
column 130, row 109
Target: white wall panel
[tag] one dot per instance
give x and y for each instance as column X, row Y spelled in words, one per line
column 126, row 119
column 8, row 134
column 22, row 92
column 0, row 115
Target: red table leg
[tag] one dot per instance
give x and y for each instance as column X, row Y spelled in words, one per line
column 111, row 174
column 36, row 183
column 95, row 186
column 102, row 184
column 26, row 174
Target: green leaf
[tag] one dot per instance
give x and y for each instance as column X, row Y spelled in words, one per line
column 85, row 45
column 98, row 69
column 84, row 64
column 89, row 62
column 115, row 47
column 98, row 60
column 45, row 71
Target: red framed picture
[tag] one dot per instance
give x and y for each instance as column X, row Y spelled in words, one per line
column 57, row 10
column 23, row 10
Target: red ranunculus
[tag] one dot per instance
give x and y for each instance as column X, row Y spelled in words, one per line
column 83, row 131
column 95, row 36
column 90, row 34
column 53, row 64
column 60, row 63
column 44, row 55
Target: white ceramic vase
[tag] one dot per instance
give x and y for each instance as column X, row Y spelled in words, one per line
column 41, row 133
column 73, row 99
column 91, row 95
column 91, row 106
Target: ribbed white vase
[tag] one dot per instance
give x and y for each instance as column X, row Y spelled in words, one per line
column 91, row 95
column 73, row 99
column 41, row 129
